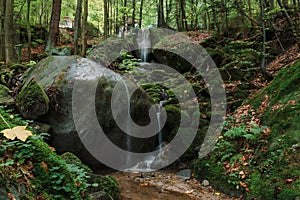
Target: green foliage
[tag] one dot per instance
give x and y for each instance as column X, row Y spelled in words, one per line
column 128, row 62
column 50, row 176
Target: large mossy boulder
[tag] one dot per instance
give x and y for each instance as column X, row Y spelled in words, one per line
column 109, row 50
column 259, row 153
column 57, row 76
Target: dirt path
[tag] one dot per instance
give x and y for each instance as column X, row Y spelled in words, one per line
column 163, row 186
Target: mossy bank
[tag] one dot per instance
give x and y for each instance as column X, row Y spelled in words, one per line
column 258, row 154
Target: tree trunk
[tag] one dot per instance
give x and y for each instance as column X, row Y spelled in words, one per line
column 77, row 25
column 124, row 18
column 250, row 11
column 161, row 17
column 267, row 75
column 183, row 15
column 84, row 28
column 133, row 13
column 141, row 13
column 28, row 29
column 106, row 19
column 9, row 32
column 2, row 39
column 215, row 18
column 53, row 38
column 178, row 16
column 169, row 9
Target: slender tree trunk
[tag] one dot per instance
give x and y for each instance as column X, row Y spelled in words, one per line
column 169, row 6
column 263, row 60
column 133, row 13
column 28, row 29
column 215, row 18
column 178, row 16
column 183, row 15
column 2, row 39
column 117, row 26
column 84, row 28
column 9, row 32
column 77, row 25
column 161, row 17
column 53, row 38
column 250, row 11
column 106, row 19
column 124, row 18
column 110, row 17
column 141, row 13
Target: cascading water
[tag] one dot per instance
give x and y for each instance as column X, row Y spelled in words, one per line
column 128, row 127
column 144, row 44
column 158, row 114
column 146, row 164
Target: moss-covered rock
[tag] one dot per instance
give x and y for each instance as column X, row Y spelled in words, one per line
column 58, row 77
column 106, row 184
column 32, row 101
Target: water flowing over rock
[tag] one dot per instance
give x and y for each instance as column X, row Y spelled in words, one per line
column 58, row 75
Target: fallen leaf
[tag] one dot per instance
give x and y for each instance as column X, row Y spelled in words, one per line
column 19, row 132
column 9, row 134
column 45, row 166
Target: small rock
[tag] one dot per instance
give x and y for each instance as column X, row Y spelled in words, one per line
column 205, row 183
column 186, row 173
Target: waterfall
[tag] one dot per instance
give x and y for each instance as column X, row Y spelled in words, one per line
column 144, row 44
column 128, row 127
column 160, row 145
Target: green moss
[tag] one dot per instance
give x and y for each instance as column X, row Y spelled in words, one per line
column 33, row 101
column 71, row 159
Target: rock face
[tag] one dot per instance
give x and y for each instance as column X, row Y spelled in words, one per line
column 58, row 75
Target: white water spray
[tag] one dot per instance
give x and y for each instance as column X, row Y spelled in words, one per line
column 144, row 44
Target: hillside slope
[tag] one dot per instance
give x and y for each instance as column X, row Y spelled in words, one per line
column 258, row 155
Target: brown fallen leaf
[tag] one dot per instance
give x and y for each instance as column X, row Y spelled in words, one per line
column 45, row 166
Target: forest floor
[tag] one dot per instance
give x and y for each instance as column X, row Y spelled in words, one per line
column 164, row 185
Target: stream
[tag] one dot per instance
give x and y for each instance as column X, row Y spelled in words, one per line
column 164, row 185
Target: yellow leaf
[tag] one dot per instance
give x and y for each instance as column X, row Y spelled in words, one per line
column 9, row 134
column 19, row 132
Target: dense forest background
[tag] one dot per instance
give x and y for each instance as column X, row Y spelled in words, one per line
column 23, row 20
